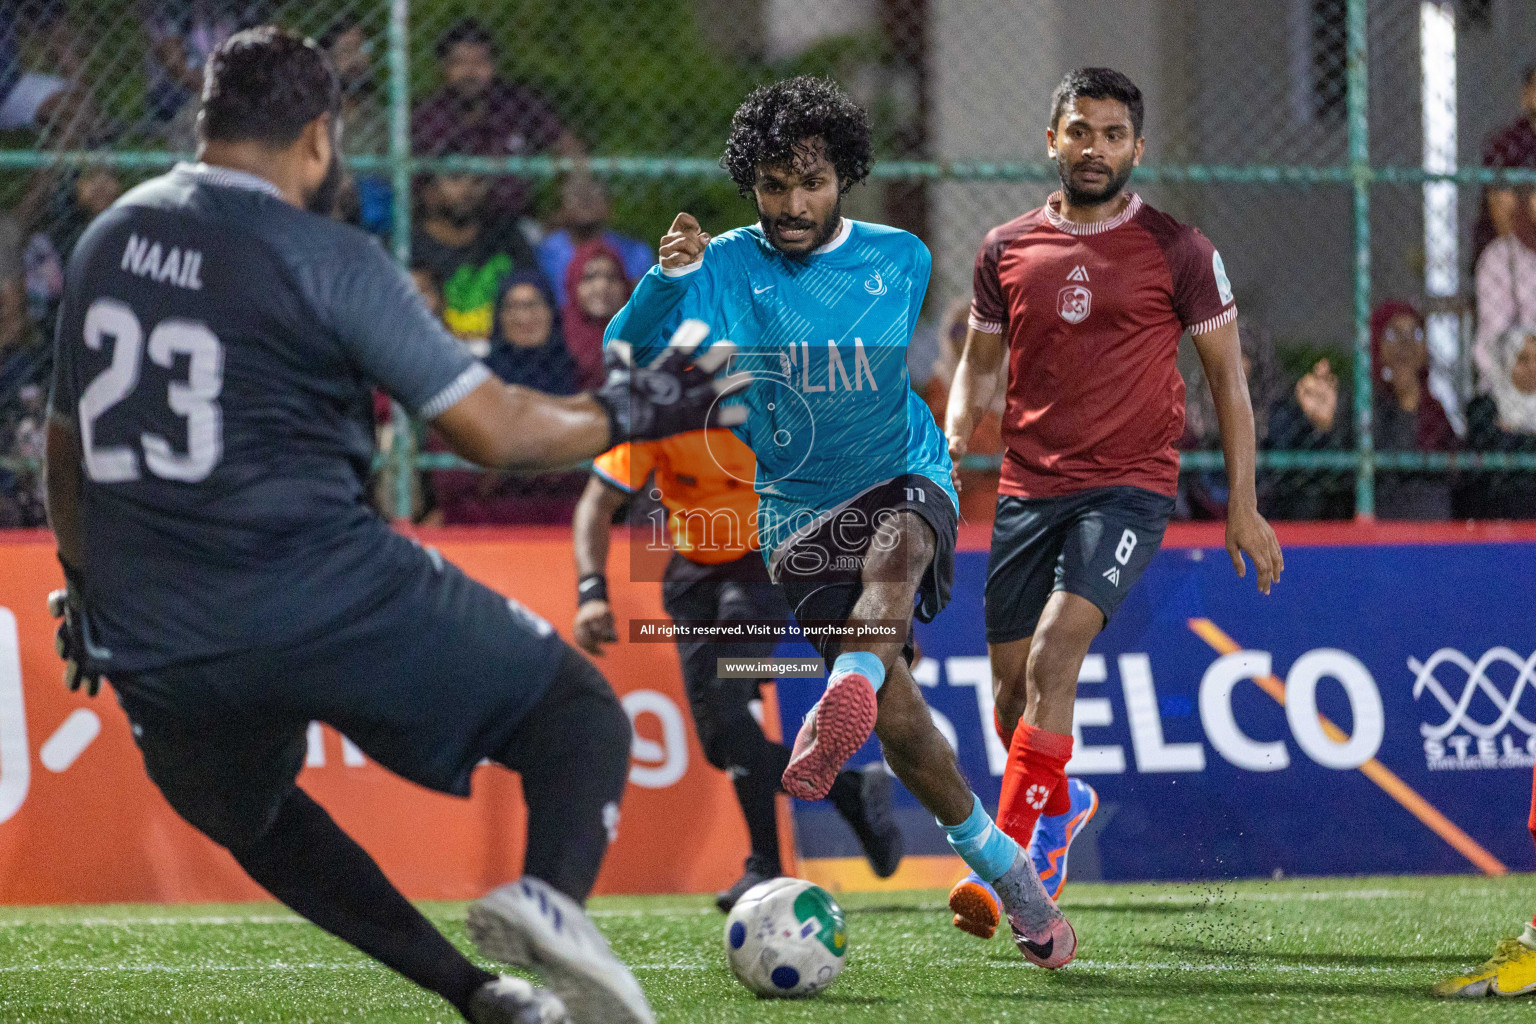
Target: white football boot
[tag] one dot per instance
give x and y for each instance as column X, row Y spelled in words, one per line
column 509, row 1000
column 529, row 924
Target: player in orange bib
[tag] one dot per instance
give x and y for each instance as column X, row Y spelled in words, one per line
column 716, row 574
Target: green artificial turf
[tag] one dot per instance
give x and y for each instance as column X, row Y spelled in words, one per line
column 1357, row 949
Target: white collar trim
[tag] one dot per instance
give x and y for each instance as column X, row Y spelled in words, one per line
column 1072, row 227
column 229, row 178
column 842, row 236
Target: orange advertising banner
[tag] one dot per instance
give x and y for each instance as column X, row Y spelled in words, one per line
column 81, row 823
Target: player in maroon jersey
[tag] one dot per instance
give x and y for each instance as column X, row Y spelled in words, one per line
column 1087, row 297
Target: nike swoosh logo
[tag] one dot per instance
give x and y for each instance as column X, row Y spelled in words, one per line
column 1039, row 949
column 759, row 291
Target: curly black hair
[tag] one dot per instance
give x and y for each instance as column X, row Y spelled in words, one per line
column 773, row 122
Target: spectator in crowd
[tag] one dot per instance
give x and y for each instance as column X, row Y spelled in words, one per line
column 1506, row 287
column 430, row 288
column 45, row 281
column 1313, row 416
column 582, row 217
column 14, row 325
column 1406, row 417
column 28, row 99
column 42, row 87
column 25, row 361
column 526, row 349
column 80, row 199
column 596, row 288
column 22, row 415
column 469, row 254
column 1504, row 420
column 1204, row 495
column 1512, row 147
column 77, row 199
column 978, row 487
column 369, row 198
column 182, row 35
column 476, row 113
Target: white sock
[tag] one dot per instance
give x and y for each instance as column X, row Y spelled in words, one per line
column 1528, row 937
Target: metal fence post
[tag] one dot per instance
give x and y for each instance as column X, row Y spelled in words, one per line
column 402, row 446
column 1358, row 96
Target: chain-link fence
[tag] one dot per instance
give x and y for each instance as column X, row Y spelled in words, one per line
column 522, row 158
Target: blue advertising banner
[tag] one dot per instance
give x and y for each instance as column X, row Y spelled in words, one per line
column 1374, row 714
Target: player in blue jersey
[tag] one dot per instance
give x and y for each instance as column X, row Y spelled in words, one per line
column 857, row 514
column 209, row 440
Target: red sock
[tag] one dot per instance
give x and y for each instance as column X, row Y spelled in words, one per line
column 1060, row 800
column 1036, row 766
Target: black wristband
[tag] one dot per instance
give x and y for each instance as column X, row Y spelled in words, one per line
column 591, row 587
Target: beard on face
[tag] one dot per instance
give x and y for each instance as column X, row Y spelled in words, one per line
column 824, row 231
column 323, row 199
column 1114, row 181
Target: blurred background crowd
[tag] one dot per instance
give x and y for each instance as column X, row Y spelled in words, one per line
column 528, row 267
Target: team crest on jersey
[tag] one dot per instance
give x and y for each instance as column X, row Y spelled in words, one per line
column 876, row 284
column 1073, row 303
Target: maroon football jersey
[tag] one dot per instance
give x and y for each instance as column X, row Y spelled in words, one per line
column 1093, row 314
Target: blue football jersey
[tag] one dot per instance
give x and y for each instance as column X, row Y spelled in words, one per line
column 217, row 352
column 831, row 410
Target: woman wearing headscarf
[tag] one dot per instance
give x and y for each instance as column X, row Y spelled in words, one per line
column 526, row 349
column 1504, row 420
column 1407, row 418
column 596, row 288
column 1506, row 288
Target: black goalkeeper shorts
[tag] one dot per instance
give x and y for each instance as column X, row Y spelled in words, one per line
column 427, row 683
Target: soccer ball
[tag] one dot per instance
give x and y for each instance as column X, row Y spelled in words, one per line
column 786, row 938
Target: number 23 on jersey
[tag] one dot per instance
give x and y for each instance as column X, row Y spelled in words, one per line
column 195, row 399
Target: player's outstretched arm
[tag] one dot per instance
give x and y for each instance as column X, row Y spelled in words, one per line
column 590, row 527
column 504, row 426
column 975, row 381
column 1247, row 532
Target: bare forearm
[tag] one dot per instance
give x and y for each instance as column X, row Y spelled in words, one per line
column 591, row 526
column 502, row 426
column 975, row 381
column 964, row 408
column 554, row 432
column 1221, row 356
column 1238, row 442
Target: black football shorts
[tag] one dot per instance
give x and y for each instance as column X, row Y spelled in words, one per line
column 821, row 567
column 1095, row 544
